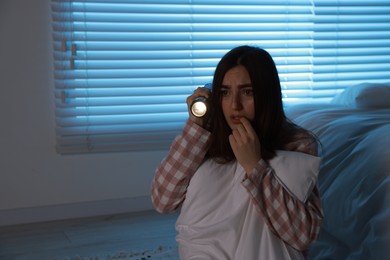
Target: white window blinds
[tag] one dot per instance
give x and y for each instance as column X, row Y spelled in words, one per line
column 351, row 44
column 124, row 68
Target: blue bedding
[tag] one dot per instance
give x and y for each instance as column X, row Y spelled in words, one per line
column 354, row 181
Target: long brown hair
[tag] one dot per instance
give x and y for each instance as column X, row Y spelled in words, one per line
column 274, row 130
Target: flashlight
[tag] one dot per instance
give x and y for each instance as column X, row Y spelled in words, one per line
column 199, row 105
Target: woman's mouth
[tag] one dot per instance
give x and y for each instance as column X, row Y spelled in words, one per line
column 236, row 120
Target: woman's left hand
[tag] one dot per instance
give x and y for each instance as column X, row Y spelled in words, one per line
column 245, row 145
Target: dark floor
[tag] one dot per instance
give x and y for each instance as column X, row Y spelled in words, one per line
column 141, row 235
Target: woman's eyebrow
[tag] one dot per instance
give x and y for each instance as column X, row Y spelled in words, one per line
column 246, row 85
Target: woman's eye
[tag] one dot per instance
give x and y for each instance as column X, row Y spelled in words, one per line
column 224, row 92
column 248, row 92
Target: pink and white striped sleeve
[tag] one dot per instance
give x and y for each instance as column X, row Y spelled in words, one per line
column 171, row 179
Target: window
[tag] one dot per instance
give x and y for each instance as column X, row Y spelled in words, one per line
column 351, row 44
column 124, row 68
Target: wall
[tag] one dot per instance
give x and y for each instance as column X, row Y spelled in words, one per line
column 36, row 183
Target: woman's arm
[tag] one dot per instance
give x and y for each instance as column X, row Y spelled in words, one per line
column 171, row 179
column 295, row 221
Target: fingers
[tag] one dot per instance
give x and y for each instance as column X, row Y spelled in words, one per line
column 239, row 135
column 247, row 126
column 233, row 144
column 199, row 92
column 202, row 91
column 245, row 145
column 244, row 132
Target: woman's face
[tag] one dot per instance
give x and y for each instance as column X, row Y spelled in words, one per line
column 237, row 96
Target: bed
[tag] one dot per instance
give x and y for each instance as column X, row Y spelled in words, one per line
column 354, row 180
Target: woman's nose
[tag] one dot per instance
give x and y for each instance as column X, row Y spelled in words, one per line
column 236, row 102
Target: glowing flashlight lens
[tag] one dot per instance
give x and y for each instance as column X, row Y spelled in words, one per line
column 199, row 105
column 199, row 108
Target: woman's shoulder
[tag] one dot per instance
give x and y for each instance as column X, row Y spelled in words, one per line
column 303, row 141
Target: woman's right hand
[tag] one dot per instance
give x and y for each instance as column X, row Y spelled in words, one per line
column 199, row 92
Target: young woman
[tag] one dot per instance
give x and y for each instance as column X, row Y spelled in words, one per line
column 244, row 175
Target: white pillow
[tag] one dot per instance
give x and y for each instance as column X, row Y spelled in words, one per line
column 365, row 95
column 296, row 171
